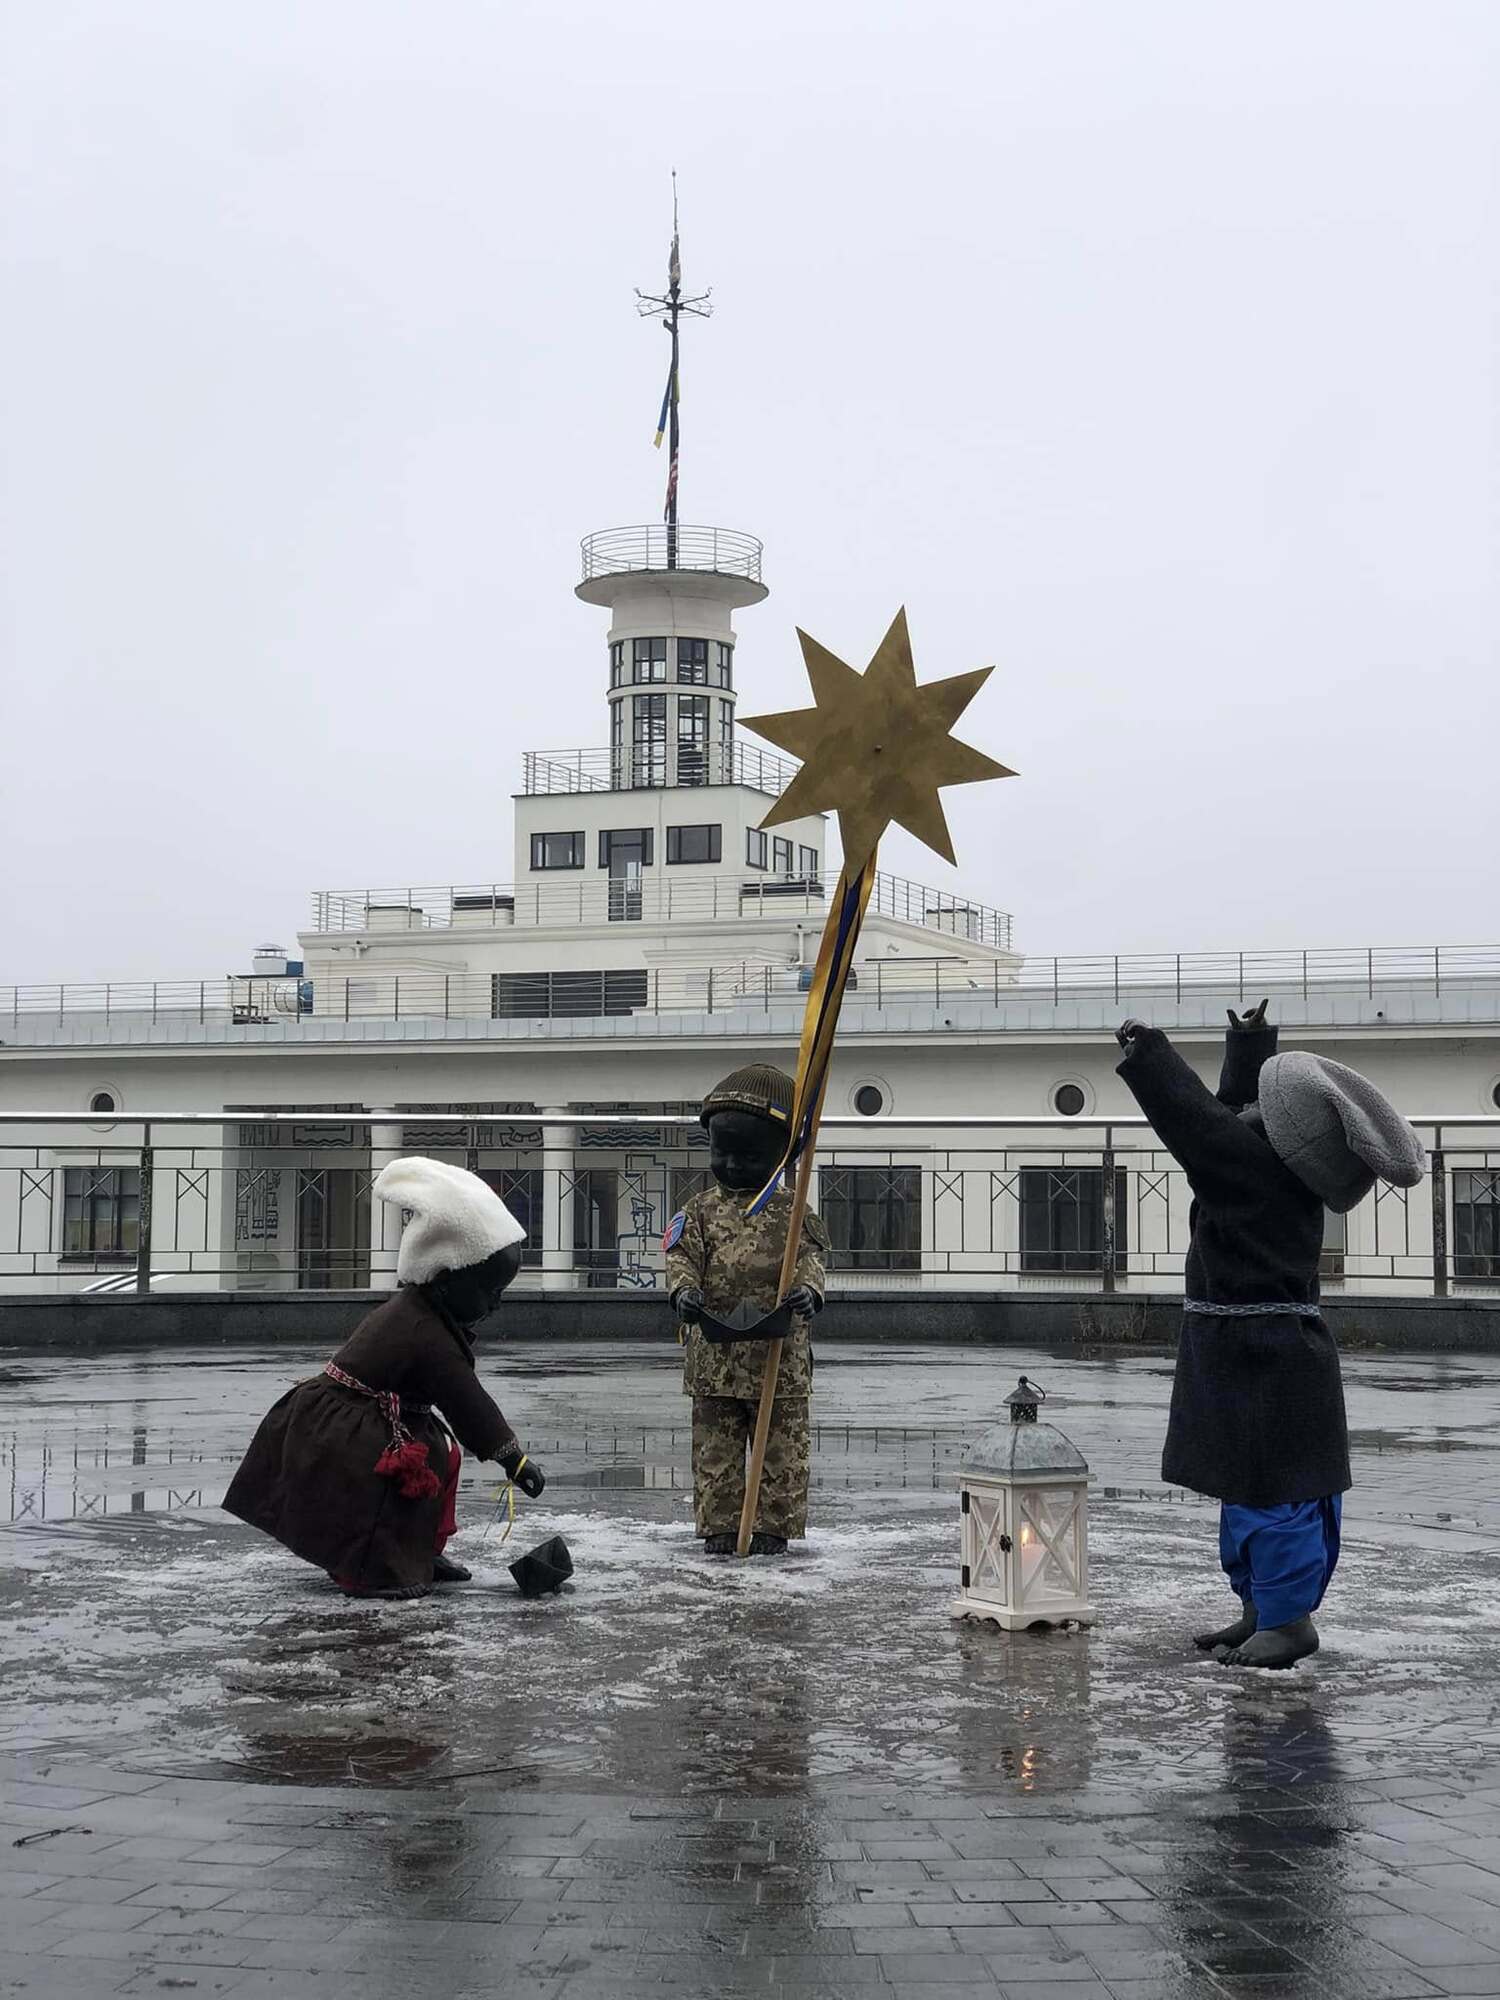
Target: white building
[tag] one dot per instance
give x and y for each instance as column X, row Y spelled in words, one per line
column 644, row 938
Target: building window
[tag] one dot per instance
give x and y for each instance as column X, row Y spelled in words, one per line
column 104, row 1100
column 692, row 662
column 1476, row 1222
column 617, row 663
column 101, row 1212
column 807, row 863
column 333, row 1229
column 692, row 739
column 1335, row 1245
column 726, row 742
column 869, row 1100
column 617, row 745
column 520, row 1188
column 626, row 853
column 873, row 1216
column 724, row 665
column 756, row 845
column 694, row 843
column 557, row 850
column 649, row 744
column 781, row 857
column 1068, row 1100
column 568, row 996
column 648, row 660
column 1062, row 1218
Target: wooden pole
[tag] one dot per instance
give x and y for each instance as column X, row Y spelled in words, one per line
column 773, row 1352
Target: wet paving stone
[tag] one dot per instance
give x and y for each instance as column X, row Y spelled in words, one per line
column 797, row 1779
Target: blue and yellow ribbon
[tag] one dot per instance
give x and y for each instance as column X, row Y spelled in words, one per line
column 820, row 1021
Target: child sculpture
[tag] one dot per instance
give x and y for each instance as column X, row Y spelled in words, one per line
column 724, row 1264
column 355, row 1470
column 1257, row 1416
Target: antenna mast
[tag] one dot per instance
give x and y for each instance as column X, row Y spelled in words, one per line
column 669, row 307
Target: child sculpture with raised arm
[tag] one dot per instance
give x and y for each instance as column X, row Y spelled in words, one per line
column 1257, row 1418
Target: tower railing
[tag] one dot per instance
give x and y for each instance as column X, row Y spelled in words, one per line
column 655, row 546
column 643, row 768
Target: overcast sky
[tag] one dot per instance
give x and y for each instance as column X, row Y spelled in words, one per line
column 1147, row 350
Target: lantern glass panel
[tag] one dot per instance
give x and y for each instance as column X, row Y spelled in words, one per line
column 987, row 1562
column 1048, row 1544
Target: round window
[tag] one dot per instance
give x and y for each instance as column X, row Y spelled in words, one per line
column 103, row 1100
column 1495, row 1097
column 869, row 1101
column 1068, row 1100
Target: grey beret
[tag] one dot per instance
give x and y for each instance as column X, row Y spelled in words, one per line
column 1334, row 1130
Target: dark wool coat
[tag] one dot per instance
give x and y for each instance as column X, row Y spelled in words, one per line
column 309, row 1476
column 1257, row 1401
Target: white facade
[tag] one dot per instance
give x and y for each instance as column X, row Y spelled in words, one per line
column 638, row 943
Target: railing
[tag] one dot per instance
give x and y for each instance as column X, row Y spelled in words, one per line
column 360, row 993
column 586, row 895
column 546, row 773
column 163, row 1200
column 719, row 551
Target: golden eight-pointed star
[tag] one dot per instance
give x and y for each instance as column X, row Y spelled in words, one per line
column 876, row 747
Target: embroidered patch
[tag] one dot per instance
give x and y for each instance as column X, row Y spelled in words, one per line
column 674, row 1230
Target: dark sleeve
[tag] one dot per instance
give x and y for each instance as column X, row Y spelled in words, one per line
column 1220, row 1155
column 1245, row 1050
column 448, row 1379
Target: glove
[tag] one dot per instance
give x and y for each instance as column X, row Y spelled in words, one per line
column 523, row 1471
column 804, row 1302
column 688, row 1301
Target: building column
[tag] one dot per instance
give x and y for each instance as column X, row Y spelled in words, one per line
column 385, row 1220
column 559, row 1143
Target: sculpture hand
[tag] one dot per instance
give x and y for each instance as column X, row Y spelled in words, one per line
column 688, row 1302
column 1256, row 1018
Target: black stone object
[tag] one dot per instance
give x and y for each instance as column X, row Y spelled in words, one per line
column 547, row 1568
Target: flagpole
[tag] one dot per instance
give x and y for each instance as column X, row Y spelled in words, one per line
column 669, row 307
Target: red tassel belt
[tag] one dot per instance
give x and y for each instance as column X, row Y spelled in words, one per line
column 403, row 1458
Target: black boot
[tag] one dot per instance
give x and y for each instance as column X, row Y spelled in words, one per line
column 767, row 1545
column 720, row 1545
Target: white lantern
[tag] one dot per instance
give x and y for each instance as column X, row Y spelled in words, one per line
column 1024, row 1494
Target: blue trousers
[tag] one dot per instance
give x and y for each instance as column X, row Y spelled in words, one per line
column 1281, row 1558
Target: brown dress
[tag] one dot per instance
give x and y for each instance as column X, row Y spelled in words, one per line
column 309, row 1476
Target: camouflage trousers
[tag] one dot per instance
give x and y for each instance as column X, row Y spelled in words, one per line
column 722, row 1429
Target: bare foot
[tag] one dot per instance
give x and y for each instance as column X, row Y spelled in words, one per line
column 445, row 1570
column 1275, row 1646
column 1230, row 1635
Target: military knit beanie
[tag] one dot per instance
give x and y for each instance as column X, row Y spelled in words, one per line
column 1335, row 1130
column 757, row 1087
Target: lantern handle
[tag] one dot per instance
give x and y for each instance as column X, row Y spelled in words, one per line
column 1035, row 1387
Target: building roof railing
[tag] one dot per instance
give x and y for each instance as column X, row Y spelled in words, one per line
column 656, row 546
column 549, row 773
column 1332, row 979
column 587, row 896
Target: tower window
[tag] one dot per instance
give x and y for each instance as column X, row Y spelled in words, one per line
column 617, row 663
column 755, row 847
column 557, row 850
column 723, row 665
column 649, row 744
column 807, row 863
column 692, row 661
column 781, row 857
column 692, row 739
column 648, row 660
column 694, row 843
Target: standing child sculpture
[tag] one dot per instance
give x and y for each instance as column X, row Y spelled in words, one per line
column 723, row 1279
column 355, row 1470
column 1257, row 1418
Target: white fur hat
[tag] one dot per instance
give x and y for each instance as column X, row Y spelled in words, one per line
column 457, row 1219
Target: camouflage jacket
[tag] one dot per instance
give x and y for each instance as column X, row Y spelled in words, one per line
column 729, row 1255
